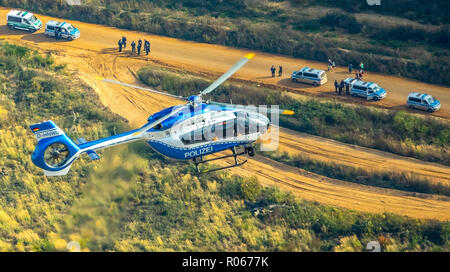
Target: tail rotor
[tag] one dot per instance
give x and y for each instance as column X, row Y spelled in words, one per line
column 55, row 152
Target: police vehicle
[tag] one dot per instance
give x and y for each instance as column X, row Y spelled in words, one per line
column 368, row 90
column 24, row 20
column 310, row 75
column 66, row 30
column 422, row 102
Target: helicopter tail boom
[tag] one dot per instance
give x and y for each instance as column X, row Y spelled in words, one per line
column 55, row 151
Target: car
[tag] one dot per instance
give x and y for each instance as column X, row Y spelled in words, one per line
column 67, row 31
column 368, row 90
column 423, row 102
column 23, row 20
column 310, row 76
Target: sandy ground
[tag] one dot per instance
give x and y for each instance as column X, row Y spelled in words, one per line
column 94, row 55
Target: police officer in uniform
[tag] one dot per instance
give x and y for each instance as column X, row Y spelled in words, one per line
column 133, row 48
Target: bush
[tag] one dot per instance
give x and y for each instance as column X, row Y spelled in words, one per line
column 342, row 20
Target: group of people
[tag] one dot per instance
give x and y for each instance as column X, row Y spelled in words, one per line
column 358, row 74
column 134, row 48
column 273, row 70
column 339, row 87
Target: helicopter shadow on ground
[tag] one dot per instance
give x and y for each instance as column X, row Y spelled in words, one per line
column 41, row 38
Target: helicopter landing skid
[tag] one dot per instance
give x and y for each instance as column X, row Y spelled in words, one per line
column 236, row 163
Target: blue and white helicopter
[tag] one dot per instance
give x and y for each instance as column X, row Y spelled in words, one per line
column 184, row 132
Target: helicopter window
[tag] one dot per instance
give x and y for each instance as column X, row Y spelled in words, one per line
column 243, row 127
column 228, row 129
column 196, row 136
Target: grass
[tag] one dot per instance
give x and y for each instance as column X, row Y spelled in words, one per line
column 134, row 199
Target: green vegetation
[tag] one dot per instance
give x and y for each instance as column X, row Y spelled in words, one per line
column 315, row 30
column 396, row 132
column 133, row 199
column 385, row 179
column 424, row 11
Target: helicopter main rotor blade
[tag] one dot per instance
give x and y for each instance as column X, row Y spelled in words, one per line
column 228, row 74
column 255, row 109
column 140, row 88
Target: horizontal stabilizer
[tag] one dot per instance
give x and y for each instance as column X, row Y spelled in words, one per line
column 93, row 155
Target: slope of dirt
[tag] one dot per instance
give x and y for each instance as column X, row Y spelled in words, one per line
column 214, row 59
column 90, row 57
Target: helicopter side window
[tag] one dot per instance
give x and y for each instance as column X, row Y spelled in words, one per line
column 228, row 129
column 195, row 137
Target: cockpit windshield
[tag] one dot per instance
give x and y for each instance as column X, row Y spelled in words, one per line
column 376, row 88
column 32, row 19
column 429, row 99
column 70, row 28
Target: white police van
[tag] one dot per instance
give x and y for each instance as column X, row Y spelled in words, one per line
column 67, row 31
column 310, row 76
column 423, row 102
column 368, row 90
column 24, row 20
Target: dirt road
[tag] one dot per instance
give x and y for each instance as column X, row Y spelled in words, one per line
column 216, row 59
column 92, row 56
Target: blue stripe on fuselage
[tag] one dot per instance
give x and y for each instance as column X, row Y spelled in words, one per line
column 191, row 153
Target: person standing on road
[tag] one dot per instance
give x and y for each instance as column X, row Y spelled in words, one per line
column 335, row 86
column 120, row 45
column 139, row 46
column 57, row 33
column 341, row 86
column 361, row 66
column 272, row 69
column 146, row 47
column 133, row 47
column 347, row 88
column 280, row 71
column 350, row 68
column 124, row 41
